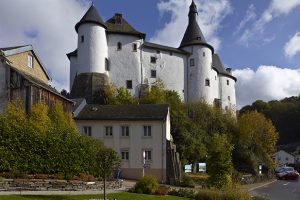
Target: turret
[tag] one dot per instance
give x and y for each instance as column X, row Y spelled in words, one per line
column 200, row 78
column 92, row 43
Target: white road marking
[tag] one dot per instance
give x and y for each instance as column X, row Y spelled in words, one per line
column 286, row 183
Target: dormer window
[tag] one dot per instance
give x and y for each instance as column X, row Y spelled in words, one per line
column 119, row 46
column 118, row 18
column 30, row 61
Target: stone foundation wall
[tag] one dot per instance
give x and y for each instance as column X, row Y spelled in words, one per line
column 54, row 185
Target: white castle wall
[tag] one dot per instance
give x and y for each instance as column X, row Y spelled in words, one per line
column 170, row 68
column 228, row 93
column 197, row 90
column 125, row 63
column 93, row 51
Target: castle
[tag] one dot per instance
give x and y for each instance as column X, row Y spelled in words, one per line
column 115, row 52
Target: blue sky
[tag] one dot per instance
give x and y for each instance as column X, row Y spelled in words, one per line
column 259, row 39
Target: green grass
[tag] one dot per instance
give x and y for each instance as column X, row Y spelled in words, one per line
column 118, row 196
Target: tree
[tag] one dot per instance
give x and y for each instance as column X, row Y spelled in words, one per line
column 219, row 165
column 255, row 139
column 107, row 161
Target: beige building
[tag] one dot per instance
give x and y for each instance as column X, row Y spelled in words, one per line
column 23, row 77
column 134, row 131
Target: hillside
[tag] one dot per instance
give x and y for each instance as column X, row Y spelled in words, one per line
column 285, row 115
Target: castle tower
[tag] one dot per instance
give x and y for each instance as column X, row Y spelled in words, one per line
column 201, row 81
column 88, row 63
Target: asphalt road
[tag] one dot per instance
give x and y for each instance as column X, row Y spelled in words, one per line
column 279, row 190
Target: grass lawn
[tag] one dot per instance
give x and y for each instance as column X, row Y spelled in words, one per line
column 118, row 196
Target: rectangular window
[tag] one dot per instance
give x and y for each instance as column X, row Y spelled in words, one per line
column 158, row 51
column 227, row 82
column 129, row 84
column 134, row 47
column 124, row 154
column 152, row 59
column 82, row 39
column 203, row 54
column 148, row 155
column 207, row 82
column 192, row 62
column 125, row 131
column 87, row 130
column 147, row 131
column 106, row 64
column 119, row 46
column 153, row 73
column 228, row 98
column 30, row 61
column 108, row 131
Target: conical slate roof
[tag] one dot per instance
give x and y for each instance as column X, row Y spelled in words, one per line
column 193, row 34
column 218, row 65
column 91, row 16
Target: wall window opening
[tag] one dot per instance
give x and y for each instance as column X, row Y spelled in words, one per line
column 107, row 64
column 147, row 131
column 134, row 47
column 207, row 82
column 227, row 81
column 153, row 59
column 125, row 155
column 82, row 39
column 87, row 130
column 108, row 131
column 153, row 73
column 30, row 61
column 192, row 62
column 119, row 46
column 129, row 84
column 125, row 131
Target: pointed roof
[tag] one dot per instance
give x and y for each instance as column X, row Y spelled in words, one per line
column 91, row 16
column 219, row 67
column 193, row 34
column 117, row 24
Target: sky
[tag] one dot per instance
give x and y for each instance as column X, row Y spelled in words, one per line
column 258, row 39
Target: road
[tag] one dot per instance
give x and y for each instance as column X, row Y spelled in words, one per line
column 279, row 190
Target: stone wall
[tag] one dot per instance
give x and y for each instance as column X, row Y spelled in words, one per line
column 54, row 185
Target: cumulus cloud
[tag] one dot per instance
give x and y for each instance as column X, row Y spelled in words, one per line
column 211, row 14
column 266, row 83
column 49, row 26
column 292, row 47
column 275, row 9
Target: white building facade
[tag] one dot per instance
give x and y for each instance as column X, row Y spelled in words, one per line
column 117, row 50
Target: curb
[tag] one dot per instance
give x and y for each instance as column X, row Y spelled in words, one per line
column 263, row 185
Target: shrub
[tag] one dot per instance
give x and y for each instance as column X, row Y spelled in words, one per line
column 187, row 181
column 146, row 185
column 182, row 193
column 162, row 190
column 231, row 193
column 86, row 177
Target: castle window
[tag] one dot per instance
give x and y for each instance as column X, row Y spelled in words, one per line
column 207, row 82
column 129, row 84
column 171, row 53
column 107, row 64
column 227, row 82
column 30, row 61
column 119, row 46
column 228, row 98
column 87, row 130
column 158, row 51
column 134, row 47
column 82, row 39
column 203, row 54
column 192, row 62
column 153, row 73
column 152, row 59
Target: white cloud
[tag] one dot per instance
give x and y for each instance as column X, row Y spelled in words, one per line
column 250, row 16
column 275, row 9
column 292, row 47
column 49, row 26
column 266, row 83
column 211, row 14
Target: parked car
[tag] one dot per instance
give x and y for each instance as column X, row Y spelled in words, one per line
column 287, row 173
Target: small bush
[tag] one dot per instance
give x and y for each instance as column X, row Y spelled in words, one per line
column 187, row 181
column 182, row 193
column 86, row 177
column 146, row 185
column 162, row 190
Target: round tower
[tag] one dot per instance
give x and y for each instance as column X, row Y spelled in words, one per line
column 92, row 49
column 200, row 78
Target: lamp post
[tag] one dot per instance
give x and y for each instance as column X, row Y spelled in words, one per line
column 144, row 159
